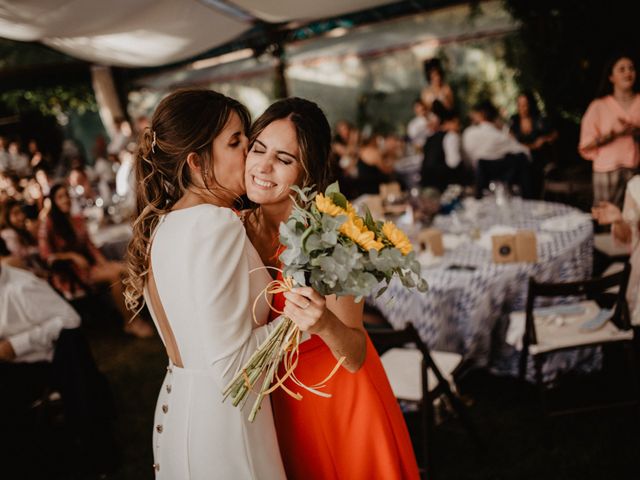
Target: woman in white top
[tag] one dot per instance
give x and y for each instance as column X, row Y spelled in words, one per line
column 189, row 261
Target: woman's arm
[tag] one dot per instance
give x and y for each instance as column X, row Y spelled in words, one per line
column 220, row 282
column 337, row 321
column 47, row 252
column 607, row 213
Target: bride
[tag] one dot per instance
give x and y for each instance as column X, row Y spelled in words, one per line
column 189, row 261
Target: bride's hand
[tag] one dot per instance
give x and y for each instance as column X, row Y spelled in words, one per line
column 307, row 309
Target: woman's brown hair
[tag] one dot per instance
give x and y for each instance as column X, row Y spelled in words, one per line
column 313, row 133
column 187, row 121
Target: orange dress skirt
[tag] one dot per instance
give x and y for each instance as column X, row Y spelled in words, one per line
column 358, row 433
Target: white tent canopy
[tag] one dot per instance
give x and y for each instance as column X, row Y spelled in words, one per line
column 138, row 33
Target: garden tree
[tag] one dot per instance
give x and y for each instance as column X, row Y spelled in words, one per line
column 563, row 46
column 39, row 89
column 34, row 77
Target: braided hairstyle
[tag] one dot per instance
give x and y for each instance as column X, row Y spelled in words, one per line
column 187, row 121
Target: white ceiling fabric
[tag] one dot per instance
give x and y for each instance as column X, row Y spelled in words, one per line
column 136, row 33
column 287, row 10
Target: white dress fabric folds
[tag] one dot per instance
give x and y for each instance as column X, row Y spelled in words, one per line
column 201, row 259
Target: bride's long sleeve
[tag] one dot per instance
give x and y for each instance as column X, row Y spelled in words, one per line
column 223, row 294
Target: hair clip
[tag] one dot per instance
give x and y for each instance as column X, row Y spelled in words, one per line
column 153, row 142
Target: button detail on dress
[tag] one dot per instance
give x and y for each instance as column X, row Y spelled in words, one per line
column 165, row 408
column 156, row 467
column 168, row 388
column 159, row 428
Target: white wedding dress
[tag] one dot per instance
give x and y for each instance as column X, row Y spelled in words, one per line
column 201, row 258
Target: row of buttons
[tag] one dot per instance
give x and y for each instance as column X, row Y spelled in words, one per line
column 165, row 409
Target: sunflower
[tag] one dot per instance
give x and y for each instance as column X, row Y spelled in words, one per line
column 326, row 205
column 397, row 237
column 355, row 229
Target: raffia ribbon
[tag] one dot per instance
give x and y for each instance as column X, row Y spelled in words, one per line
column 291, row 345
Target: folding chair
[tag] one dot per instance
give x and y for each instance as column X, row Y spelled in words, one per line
column 546, row 332
column 420, row 377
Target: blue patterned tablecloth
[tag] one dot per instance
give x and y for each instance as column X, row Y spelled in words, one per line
column 466, row 311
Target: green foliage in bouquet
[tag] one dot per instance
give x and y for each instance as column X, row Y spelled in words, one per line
column 335, row 251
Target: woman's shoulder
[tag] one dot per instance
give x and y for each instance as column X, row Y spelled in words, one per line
column 600, row 103
column 8, row 234
column 207, row 220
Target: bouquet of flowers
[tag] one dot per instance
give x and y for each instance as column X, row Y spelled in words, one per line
column 334, row 250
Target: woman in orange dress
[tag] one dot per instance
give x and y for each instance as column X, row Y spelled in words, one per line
column 359, row 432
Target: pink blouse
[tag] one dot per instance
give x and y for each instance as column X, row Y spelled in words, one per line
column 603, row 116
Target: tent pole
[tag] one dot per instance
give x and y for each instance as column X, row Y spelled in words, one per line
column 280, row 87
column 109, row 104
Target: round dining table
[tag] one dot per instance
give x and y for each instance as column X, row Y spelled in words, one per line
column 466, row 309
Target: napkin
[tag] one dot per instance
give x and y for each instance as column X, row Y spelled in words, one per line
column 565, row 223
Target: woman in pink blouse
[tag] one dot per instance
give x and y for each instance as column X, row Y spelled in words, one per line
column 63, row 239
column 610, row 129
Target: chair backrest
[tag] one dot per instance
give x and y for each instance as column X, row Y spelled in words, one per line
column 593, row 289
column 385, row 339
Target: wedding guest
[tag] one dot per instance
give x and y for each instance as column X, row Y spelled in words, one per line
column 121, row 137
column 19, row 240
column 64, row 237
column 418, row 128
column 42, row 347
column 625, row 229
column 344, row 157
column 533, row 131
column 609, row 131
column 437, row 88
column 360, row 432
column 32, row 316
column 374, row 167
column 442, row 163
column 4, row 155
column 18, row 161
column 494, row 153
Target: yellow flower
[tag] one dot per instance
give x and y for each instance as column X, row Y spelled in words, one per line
column 355, row 229
column 397, row 237
column 326, row 205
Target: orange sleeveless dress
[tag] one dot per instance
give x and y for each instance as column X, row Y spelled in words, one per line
column 358, row 433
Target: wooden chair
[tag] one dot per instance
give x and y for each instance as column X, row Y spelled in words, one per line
column 421, row 377
column 542, row 338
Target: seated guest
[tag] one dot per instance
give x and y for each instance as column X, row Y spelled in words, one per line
column 80, row 187
column 494, row 153
column 42, row 347
column 64, row 237
column 418, row 128
column 18, row 161
column 533, row 131
column 374, row 167
column 344, row 157
column 442, row 164
column 19, row 240
column 625, row 229
column 32, row 315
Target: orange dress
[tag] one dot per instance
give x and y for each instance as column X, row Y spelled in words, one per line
column 358, row 433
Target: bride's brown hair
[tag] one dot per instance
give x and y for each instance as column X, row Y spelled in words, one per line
column 187, row 121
